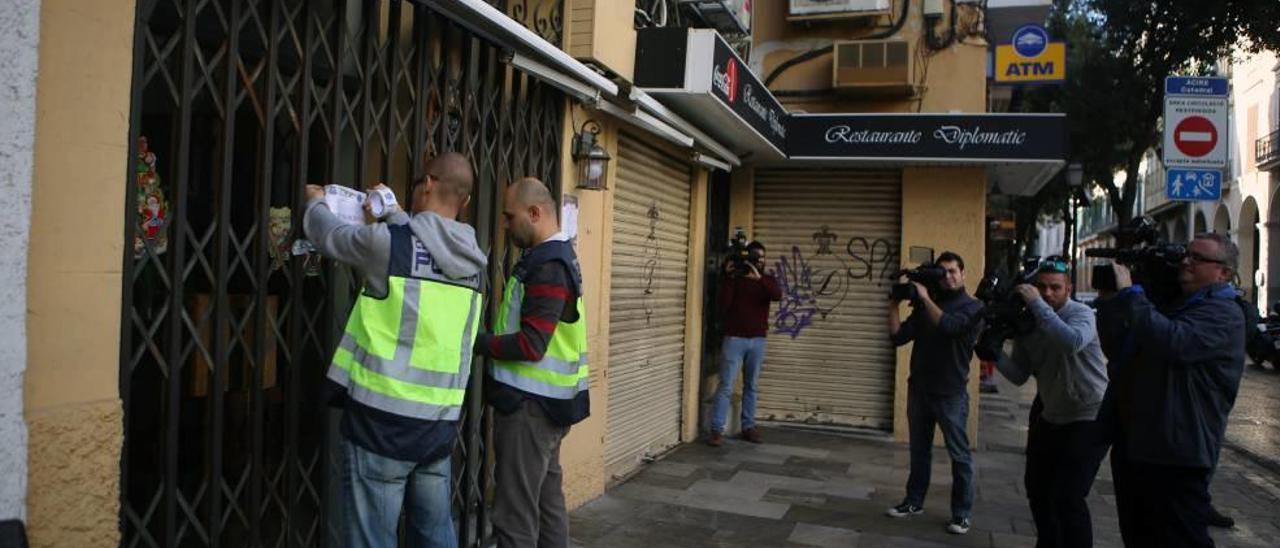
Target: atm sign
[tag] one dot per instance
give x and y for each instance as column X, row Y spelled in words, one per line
column 1048, row 67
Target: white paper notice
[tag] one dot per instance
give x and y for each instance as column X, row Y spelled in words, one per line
column 346, row 203
column 569, row 217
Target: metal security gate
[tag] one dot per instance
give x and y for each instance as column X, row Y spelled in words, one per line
column 647, row 304
column 832, row 238
column 227, row 332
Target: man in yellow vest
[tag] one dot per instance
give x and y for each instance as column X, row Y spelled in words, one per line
column 539, row 376
column 405, row 357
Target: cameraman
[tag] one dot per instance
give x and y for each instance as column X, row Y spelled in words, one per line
column 1174, row 377
column 944, row 332
column 743, row 303
column 1065, row 442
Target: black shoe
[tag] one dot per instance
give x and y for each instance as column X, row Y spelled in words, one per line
column 903, row 510
column 1217, row 519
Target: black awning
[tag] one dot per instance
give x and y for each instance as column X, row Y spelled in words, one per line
column 1023, row 151
column 697, row 75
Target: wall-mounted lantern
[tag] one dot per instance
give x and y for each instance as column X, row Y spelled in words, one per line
column 592, row 159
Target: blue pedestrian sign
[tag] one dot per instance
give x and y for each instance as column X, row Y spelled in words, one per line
column 1191, row 185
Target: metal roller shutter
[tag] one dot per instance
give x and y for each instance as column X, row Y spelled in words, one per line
column 647, row 304
column 832, row 239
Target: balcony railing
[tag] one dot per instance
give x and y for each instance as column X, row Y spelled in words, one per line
column 1267, row 151
column 545, row 17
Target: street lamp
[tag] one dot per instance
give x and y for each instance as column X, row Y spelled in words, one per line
column 592, row 159
column 1075, row 175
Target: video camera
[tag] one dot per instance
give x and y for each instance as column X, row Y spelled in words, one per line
column 928, row 274
column 740, row 255
column 1153, row 264
column 1006, row 314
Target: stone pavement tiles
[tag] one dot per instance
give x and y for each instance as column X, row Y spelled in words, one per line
column 814, row 488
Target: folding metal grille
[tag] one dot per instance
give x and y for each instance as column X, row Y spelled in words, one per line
column 227, row 334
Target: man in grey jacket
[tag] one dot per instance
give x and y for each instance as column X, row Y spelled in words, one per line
column 1065, row 442
column 405, row 359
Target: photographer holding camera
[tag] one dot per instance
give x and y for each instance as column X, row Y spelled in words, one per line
column 944, row 326
column 1175, row 372
column 743, row 303
column 1065, row 442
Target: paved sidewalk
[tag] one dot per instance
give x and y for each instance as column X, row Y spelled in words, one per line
column 808, row 488
column 1254, row 428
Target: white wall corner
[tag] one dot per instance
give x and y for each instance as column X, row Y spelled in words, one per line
column 19, row 38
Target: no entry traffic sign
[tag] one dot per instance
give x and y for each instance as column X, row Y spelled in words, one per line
column 1195, row 136
column 1195, row 122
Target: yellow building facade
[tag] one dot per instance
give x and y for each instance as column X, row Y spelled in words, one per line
column 178, row 336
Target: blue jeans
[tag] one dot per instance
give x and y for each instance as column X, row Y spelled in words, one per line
column 375, row 487
column 948, row 413
column 738, row 351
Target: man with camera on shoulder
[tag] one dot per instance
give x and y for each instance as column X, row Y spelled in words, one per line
column 743, row 303
column 1065, row 441
column 1175, row 371
column 944, row 326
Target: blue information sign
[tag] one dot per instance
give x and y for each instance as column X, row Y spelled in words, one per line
column 1191, row 185
column 1188, row 85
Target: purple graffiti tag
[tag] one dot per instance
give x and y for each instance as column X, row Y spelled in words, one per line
column 799, row 302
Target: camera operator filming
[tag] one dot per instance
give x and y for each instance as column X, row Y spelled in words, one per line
column 944, row 332
column 743, row 304
column 1175, row 370
column 1065, row 442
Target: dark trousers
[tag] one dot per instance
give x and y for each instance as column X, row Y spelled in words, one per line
column 1062, row 460
column 1160, row 506
column 949, row 414
column 529, row 509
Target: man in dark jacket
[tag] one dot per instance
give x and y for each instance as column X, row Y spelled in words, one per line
column 944, row 333
column 1174, row 377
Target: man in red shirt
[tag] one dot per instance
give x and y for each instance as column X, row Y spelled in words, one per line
column 743, row 303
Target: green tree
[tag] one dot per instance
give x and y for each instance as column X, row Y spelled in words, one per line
column 1119, row 53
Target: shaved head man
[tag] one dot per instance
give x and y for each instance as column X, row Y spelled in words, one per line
column 445, row 185
column 530, row 212
column 539, row 375
column 397, row 444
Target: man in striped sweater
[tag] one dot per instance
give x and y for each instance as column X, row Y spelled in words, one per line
column 538, row 384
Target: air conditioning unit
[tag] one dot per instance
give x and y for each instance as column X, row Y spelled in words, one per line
column 874, row 67
column 830, row 9
column 729, row 17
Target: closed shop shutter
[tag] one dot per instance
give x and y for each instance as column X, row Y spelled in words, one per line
column 647, row 303
column 832, row 239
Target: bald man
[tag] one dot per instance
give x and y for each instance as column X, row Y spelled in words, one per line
column 539, row 378
column 403, row 368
